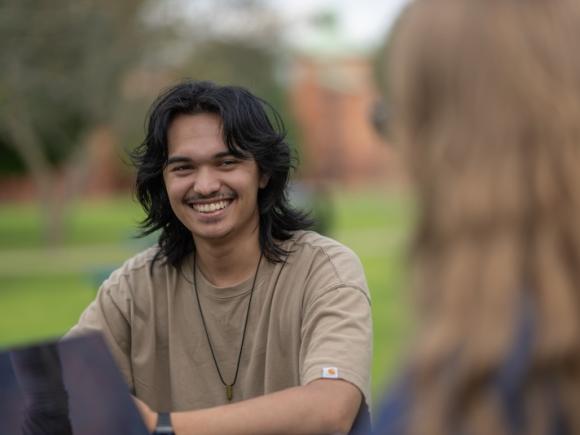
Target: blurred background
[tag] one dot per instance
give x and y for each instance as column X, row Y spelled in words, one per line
column 76, row 79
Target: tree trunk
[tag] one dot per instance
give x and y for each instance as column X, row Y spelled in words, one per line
column 26, row 143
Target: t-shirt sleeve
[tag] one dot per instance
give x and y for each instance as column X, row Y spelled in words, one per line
column 109, row 314
column 337, row 338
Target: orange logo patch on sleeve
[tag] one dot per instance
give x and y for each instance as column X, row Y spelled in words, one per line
column 330, row 372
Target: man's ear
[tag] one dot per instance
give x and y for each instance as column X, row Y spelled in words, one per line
column 264, row 179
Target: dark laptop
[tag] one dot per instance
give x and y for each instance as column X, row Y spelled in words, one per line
column 65, row 387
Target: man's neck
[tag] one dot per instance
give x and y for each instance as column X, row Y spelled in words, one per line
column 228, row 264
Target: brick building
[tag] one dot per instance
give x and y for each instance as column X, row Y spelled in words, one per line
column 332, row 99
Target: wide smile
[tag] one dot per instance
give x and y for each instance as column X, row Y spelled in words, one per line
column 210, row 208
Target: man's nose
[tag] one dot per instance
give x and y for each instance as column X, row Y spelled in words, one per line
column 206, row 182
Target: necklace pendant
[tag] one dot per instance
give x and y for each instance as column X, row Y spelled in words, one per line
column 229, row 392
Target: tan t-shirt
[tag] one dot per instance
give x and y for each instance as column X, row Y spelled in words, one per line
column 310, row 318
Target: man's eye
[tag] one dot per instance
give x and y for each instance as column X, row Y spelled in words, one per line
column 229, row 162
column 180, row 168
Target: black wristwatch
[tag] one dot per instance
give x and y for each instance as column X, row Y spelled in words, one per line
column 163, row 426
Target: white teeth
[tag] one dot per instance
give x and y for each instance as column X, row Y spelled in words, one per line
column 208, row 208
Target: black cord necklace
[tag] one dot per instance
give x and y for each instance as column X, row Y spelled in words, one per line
column 229, row 387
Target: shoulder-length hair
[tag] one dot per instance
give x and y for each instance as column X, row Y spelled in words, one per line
column 485, row 105
column 248, row 133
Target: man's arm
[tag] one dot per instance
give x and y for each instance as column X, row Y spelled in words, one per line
column 324, row 406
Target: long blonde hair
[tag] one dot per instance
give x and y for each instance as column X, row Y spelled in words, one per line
column 485, row 104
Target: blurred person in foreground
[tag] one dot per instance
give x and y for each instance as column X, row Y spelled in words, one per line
column 485, row 106
column 240, row 320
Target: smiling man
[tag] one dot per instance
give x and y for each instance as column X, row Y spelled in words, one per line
column 239, row 320
column 212, row 191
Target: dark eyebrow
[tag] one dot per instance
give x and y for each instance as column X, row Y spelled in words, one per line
column 182, row 159
column 177, row 159
column 222, row 155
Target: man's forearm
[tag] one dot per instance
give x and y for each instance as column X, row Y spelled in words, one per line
column 323, row 406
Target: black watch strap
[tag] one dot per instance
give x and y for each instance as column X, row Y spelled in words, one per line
column 163, row 426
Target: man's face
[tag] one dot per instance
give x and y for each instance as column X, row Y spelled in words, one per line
column 213, row 193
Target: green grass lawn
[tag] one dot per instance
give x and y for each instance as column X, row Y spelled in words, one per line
column 43, row 290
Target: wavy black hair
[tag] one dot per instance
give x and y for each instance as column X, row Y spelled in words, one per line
column 248, row 132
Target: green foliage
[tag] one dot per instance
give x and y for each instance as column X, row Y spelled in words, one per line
column 236, row 62
column 10, row 161
column 62, row 75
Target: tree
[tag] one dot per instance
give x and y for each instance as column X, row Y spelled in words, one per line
column 61, row 66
